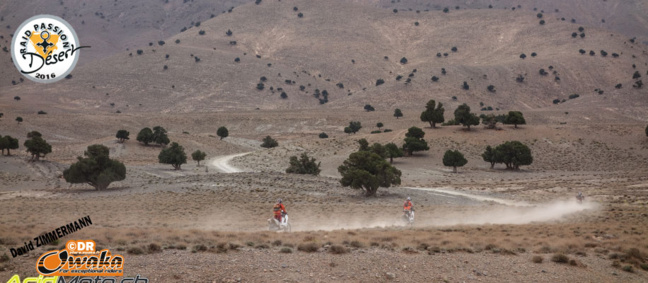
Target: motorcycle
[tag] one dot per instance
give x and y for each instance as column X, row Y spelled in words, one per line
column 408, row 217
column 580, row 198
column 276, row 225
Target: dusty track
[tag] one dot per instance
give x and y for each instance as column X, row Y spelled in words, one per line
column 221, row 163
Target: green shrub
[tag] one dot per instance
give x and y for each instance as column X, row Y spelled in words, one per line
column 451, row 122
column 303, row 165
column 269, row 142
column 286, row 250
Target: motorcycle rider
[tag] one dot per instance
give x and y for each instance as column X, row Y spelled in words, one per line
column 278, row 209
column 408, row 207
column 580, row 196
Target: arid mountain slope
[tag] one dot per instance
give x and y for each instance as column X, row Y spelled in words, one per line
column 339, row 42
column 629, row 17
column 109, row 27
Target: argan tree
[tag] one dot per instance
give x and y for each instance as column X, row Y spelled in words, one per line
column 513, row 154
column 636, row 75
column 304, row 165
column 368, row 171
column 37, row 146
column 489, row 121
column 145, row 136
column 269, row 142
column 379, row 125
column 96, row 169
column 222, row 132
column 489, row 156
column 174, row 155
column 464, row 117
column 379, row 149
column 454, row 159
column 393, row 152
column 122, row 135
column 414, row 141
column 198, row 156
column 355, row 126
column 364, row 145
column 398, row 113
column 433, row 114
column 515, row 118
column 8, row 143
column 160, row 136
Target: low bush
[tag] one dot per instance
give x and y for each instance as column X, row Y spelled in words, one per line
column 337, row 249
column 308, row 247
column 560, row 258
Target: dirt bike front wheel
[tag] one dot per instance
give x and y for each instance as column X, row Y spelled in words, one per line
column 287, row 228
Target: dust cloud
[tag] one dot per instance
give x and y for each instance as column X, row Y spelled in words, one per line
column 502, row 211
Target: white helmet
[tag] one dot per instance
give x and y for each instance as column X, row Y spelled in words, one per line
column 409, row 198
column 279, row 201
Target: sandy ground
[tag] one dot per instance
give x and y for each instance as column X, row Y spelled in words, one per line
column 209, row 221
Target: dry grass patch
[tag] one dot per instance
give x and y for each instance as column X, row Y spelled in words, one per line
column 337, row 249
column 560, row 258
column 153, row 248
column 135, row 251
column 308, row 247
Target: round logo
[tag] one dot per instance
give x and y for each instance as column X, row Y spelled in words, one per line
column 71, row 246
column 45, row 48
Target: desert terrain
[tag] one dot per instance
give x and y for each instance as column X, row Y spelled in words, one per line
column 208, row 223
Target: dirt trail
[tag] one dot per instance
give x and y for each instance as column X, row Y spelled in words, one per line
column 221, row 163
column 448, row 192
